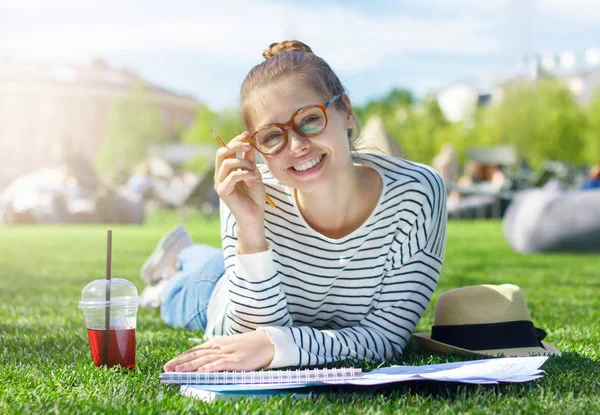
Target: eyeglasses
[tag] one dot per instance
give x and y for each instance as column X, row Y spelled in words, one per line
column 308, row 122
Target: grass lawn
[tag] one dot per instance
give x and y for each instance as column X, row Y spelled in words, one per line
column 45, row 363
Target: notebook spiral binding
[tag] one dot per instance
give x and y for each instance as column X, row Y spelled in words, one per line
column 261, row 377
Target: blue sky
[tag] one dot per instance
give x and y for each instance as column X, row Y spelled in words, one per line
column 205, row 48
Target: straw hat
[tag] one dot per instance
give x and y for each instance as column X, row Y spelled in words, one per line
column 484, row 320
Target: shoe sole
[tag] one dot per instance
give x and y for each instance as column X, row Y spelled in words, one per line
column 150, row 267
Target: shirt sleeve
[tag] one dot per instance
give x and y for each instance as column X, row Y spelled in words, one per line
column 255, row 297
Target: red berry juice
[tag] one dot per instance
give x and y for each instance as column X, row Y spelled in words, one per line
column 121, row 347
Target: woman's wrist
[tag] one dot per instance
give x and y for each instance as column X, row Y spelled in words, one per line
column 251, row 240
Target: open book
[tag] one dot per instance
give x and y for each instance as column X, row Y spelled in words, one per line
column 215, row 385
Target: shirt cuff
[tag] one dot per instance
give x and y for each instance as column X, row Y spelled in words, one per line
column 286, row 351
column 256, row 267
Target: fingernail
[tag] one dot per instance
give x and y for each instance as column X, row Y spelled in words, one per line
column 246, row 145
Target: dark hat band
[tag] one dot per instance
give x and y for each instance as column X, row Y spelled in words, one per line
column 508, row 335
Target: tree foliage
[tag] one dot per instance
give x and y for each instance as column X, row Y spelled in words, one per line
column 592, row 145
column 134, row 123
column 541, row 120
column 420, row 131
column 387, row 106
column 225, row 123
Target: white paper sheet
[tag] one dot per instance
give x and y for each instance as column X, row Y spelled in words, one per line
column 477, row 371
column 493, row 369
column 488, row 371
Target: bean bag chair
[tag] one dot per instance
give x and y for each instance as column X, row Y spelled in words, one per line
column 554, row 220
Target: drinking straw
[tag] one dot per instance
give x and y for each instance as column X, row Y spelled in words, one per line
column 108, row 281
column 220, row 140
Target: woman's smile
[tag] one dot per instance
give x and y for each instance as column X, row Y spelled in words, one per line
column 308, row 167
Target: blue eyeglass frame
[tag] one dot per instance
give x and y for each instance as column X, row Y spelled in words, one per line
column 284, row 127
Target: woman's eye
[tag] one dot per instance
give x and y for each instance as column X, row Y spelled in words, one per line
column 310, row 120
column 271, row 137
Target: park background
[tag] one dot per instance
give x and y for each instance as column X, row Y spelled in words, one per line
column 132, row 84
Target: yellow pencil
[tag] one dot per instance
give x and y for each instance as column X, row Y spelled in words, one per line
column 220, row 140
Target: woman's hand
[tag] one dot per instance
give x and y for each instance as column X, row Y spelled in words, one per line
column 239, row 183
column 247, row 351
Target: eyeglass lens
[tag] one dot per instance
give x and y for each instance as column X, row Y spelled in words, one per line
column 307, row 123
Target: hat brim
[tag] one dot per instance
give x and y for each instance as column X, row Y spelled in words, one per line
column 426, row 342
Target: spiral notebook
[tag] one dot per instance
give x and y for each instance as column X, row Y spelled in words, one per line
column 266, row 377
column 209, row 386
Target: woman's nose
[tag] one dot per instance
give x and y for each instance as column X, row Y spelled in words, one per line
column 298, row 143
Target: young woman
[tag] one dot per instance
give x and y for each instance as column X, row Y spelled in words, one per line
column 341, row 268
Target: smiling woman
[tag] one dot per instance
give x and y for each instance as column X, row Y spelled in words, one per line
column 343, row 266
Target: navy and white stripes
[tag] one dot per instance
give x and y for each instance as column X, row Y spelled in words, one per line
column 321, row 299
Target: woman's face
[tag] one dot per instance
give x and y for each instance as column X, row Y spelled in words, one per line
column 306, row 163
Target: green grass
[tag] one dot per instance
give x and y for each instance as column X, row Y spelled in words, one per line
column 45, row 366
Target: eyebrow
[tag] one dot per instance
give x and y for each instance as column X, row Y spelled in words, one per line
column 288, row 119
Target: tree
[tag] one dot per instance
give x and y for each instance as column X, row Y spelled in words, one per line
column 133, row 124
column 420, row 133
column 592, row 139
column 225, row 123
column 541, row 120
column 387, row 106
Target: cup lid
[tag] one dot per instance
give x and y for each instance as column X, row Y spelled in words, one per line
column 122, row 293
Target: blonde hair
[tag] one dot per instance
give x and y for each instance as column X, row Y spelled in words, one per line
column 291, row 59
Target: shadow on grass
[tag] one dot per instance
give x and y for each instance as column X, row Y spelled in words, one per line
column 424, row 389
column 570, row 373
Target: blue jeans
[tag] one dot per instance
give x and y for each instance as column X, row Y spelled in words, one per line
column 186, row 295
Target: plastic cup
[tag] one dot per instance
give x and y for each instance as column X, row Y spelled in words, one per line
column 119, row 347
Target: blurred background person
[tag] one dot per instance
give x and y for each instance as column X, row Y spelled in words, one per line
column 80, row 174
column 593, row 179
column 446, row 164
column 141, row 182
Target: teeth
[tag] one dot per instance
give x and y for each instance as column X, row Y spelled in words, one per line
column 308, row 164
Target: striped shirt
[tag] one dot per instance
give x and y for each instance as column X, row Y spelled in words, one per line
column 322, row 300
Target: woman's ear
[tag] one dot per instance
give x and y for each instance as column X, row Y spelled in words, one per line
column 349, row 112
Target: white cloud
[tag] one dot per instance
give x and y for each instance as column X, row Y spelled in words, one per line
column 234, row 31
column 578, row 11
column 183, row 44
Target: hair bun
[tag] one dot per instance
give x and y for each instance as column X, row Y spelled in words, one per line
column 285, row 46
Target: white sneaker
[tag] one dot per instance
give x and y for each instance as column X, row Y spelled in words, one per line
column 161, row 263
column 151, row 296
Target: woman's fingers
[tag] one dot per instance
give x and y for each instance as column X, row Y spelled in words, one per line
column 231, row 150
column 220, row 364
column 184, row 360
column 238, row 145
column 208, row 363
column 209, row 359
column 228, row 186
column 232, row 172
column 248, row 351
column 198, row 362
column 230, row 165
column 250, row 155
